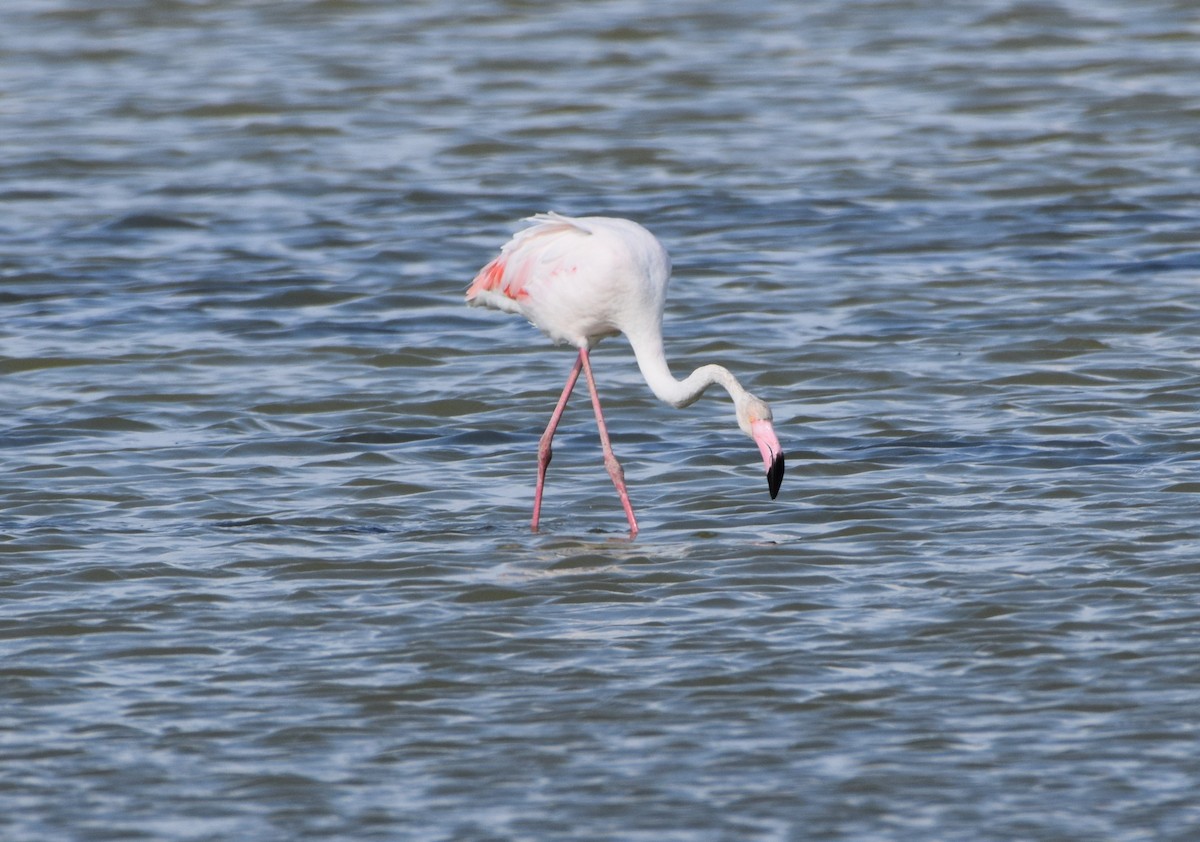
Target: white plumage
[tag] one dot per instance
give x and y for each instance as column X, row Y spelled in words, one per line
column 580, row 279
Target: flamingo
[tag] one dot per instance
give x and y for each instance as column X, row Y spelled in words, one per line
column 581, row 279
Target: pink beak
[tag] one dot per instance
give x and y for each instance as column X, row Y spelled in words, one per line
column 772, row 453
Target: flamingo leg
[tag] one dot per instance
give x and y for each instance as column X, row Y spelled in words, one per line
column 610, row 460
column 544, row 451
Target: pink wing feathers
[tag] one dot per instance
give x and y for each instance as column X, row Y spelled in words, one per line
column 529, row 254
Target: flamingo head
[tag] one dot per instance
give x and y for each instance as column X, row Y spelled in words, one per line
column 754, row 417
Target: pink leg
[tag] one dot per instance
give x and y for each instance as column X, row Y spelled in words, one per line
column 610, row 460
column 544, row 452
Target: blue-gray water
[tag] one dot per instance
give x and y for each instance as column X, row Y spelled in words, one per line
column 266, row 482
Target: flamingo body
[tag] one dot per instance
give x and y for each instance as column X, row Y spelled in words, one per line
column 582, row 279
column 578, row 280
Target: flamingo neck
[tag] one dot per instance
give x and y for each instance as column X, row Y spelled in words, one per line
column 679, row 393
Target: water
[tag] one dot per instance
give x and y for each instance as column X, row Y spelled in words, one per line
column 266, row 482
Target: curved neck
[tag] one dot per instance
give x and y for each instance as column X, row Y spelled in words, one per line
column 679, row 393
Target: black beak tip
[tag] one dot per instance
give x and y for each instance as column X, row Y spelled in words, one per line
column 775, row 475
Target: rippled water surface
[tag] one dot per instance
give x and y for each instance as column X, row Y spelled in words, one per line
column 266, row 482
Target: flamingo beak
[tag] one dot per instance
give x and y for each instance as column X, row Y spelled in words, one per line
column 768, row 445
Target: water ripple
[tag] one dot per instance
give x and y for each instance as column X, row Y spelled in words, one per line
column 267, row 564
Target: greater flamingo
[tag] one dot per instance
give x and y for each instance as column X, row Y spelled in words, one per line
column 581, row 279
